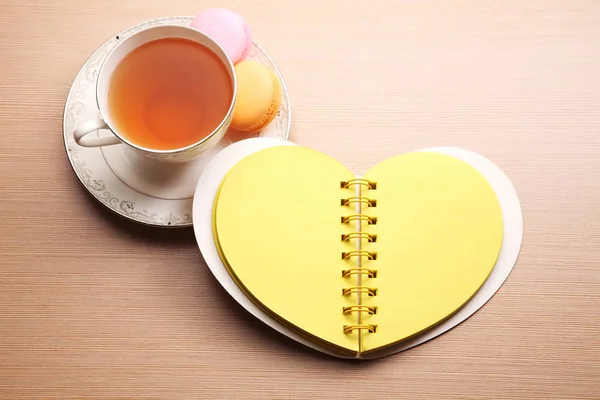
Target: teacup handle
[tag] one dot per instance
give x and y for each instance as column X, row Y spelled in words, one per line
column 90, row 126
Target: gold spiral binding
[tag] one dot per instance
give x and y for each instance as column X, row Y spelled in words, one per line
column 359, row 181
column 359, row 217
column 363, row 257
column 359, row 289
column 368, row 309
column 359, row 199
column 359, row 235
column 371, row 273
column 351, row 328
column 359, row 253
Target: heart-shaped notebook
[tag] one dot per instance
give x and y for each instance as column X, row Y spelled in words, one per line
column 355, row 265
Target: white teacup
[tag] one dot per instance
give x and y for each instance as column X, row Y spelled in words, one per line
column 83, row 133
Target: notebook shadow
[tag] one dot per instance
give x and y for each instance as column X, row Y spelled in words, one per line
column 254, row 328
column 278, row 342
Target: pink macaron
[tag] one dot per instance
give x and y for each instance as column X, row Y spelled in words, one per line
column 228, row 29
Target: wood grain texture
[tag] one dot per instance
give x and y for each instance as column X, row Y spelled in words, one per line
column 93, row 307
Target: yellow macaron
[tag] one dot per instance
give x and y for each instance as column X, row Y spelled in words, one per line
column 258, row 96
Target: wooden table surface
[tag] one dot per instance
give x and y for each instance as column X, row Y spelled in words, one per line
column 94, row 307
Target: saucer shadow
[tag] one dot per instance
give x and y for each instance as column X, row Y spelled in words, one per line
column 148, row 233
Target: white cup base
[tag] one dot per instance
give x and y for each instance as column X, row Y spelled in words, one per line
column 169, row 181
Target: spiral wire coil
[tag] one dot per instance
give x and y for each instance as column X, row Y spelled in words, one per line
column 361, row 254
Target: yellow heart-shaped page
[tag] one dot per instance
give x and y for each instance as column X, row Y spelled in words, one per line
column 427, row 234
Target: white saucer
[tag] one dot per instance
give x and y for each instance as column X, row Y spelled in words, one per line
column 170, row 204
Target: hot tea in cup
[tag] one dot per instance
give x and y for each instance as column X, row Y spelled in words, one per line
column 167, row 91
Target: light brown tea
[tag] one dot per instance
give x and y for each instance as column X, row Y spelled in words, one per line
column 169, row 93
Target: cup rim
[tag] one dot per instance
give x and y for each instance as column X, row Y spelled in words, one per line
column 228, row 62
